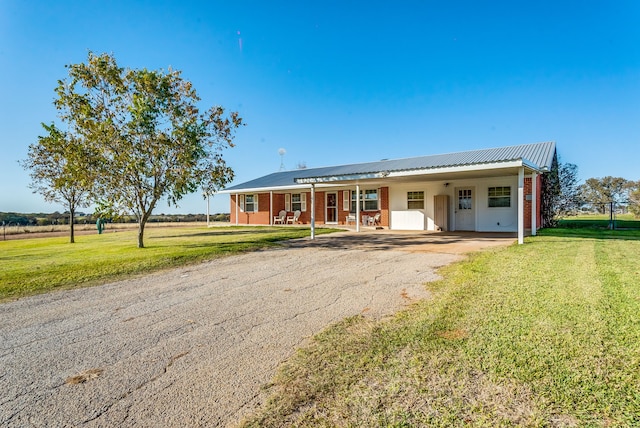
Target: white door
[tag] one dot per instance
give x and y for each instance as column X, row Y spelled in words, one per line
column 332, row 208
column 465, row 214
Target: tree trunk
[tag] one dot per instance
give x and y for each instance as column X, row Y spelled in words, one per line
column 141, row 233
column 71, row 217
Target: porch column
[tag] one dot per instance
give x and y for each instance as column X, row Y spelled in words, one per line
column 271, row 207
column 521, row 205
column 534, row 203
column 237, row 208
column 357, row 208
column 313, row 211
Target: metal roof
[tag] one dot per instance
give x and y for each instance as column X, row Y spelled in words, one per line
column 540, row 155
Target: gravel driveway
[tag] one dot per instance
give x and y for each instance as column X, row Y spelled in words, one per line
column 193, row 346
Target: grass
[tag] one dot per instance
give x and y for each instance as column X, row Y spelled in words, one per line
column 599, row 221
column 31, row 266
column 541, row 334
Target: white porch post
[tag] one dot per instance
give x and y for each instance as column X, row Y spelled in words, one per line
column 271, row 207
column 237, row 208
column 357, row 208
column 521, row 205
column 534, row 203
column 313, row 211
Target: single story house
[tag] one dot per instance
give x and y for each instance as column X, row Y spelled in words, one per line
column 490, row 190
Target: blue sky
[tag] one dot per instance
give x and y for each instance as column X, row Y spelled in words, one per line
column 336, row 82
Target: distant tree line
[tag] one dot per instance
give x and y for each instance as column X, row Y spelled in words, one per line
column 563, row 195
column 57, row 218
column 604, row 194
column 600, row 194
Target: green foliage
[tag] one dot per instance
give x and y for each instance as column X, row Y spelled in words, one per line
column 634, row 198
column 30, row 266
column 55, row 164
column 502, row 342
column 560, row 194
column 147, row 136
column 600, row 192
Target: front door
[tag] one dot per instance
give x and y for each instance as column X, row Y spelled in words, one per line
column 465, row 214
column 332, row 208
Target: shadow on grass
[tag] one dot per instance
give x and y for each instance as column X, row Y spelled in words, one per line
column 236, row 231
column 591, row 233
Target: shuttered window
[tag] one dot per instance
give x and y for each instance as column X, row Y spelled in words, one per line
column 298, row 202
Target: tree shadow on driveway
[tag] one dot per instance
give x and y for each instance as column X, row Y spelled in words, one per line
column 446, row 242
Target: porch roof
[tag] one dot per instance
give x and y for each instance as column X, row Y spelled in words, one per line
column 536, row 157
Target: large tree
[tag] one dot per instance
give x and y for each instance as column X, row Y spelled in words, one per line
column 560, row 195
column 634, row 198
column 600, row 192
column 568, row 199
column 150, row 139
column 55, row 164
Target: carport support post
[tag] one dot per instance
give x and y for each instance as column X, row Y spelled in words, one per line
column 534, row 203
column 357, row 208
column 313, row 211
column 521, row 205
column 271, row 207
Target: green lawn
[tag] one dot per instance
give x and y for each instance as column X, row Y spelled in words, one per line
column 38, row 265
column 599, row 221
column 541, row 334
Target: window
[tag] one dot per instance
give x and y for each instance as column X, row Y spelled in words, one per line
column 250, row 203
column 465, row 200
column 499, row 197
column 368, row 200
column 415, row 200
column 298, row 202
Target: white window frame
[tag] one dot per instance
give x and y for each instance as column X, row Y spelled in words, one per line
column 499, row 194
column 244, row 203
column 298, row 205
column 364, row 200
column 411, row 197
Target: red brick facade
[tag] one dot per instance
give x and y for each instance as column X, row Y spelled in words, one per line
column 527, row 203
column 262, row 217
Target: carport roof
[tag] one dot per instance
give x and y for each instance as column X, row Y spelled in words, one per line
column 538, row 156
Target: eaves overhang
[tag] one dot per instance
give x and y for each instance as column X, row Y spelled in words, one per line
column 264, row 189
column 515, row 163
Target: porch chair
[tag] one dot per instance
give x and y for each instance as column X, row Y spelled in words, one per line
column 294, row 219
column 351, row 218
column 375, row 220
column 280, row 217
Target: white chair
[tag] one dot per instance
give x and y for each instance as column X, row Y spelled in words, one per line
column 280, row 217
column 294, row 219
column 375, row 220
column 351, row 218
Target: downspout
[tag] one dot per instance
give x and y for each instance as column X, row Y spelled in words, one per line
column 534, row 204
column 521, row 205
column 271, row 207
column 357, row 208
column 313, row 211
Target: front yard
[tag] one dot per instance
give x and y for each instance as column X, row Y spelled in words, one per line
column 542, row 334
column 38, row 265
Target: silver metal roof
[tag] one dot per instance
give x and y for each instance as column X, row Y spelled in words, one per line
column 539, row 155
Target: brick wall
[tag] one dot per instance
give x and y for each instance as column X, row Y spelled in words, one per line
column 527, row 204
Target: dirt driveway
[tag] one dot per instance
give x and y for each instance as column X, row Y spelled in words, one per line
column 193, row 346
